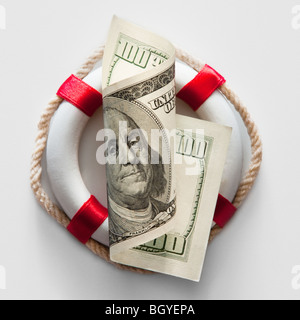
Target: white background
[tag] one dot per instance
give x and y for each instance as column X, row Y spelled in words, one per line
column 253, row 44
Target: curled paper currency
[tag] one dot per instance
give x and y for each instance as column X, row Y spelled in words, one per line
column 139, row 112
column 163, row 170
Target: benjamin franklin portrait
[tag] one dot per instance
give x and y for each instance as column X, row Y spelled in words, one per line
column 134, row 185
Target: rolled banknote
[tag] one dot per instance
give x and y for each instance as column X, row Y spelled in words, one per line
column 139, row 113
column 163, row 170
column 200, row 154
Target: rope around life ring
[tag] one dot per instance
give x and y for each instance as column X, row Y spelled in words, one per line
column 41, row 142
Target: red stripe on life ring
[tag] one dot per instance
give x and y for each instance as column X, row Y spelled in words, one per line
column 195, row 92
column 81, row 95
column 87, row 219
column 224, row 211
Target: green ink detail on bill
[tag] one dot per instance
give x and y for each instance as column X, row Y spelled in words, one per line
column 174, row 245
column 134, row 52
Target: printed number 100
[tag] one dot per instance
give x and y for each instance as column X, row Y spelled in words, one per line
column 132, row 53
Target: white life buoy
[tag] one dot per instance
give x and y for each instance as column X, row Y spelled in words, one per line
column 67, row 126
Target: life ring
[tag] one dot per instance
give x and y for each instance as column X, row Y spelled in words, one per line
column 63, row 142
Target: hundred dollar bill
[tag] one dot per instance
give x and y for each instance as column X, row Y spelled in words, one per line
column 139, row 111
column 201, row 149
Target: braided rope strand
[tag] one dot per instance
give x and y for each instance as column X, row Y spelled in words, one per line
column 256, row 146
